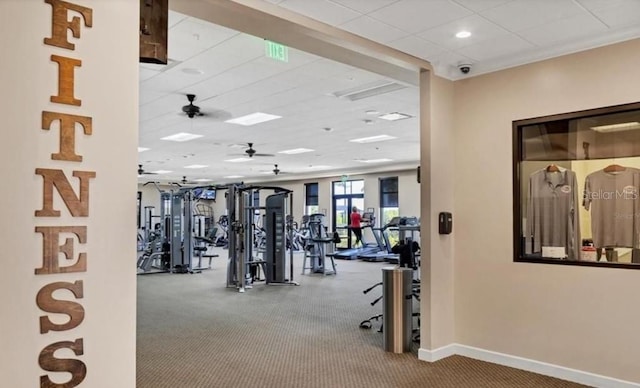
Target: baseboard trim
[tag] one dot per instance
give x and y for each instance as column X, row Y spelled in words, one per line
column 436, row 354
column 543, row 368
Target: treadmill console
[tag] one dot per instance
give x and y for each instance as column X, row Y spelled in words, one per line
column 368, row 217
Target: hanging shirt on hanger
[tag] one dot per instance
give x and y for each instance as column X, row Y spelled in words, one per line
column 614, row 202
column 552, row 211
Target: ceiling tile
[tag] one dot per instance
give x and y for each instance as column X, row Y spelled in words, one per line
column 481, row 5
column 147, row 73
column 595, row 5
column 365, row 6
column 192, row 36
column 175, row 18
column 251, row 92
column 480, row 28
column 373, row 29
column 228, row 81
column 417, row 47
column 278, row 100
column 449, row 58
column 146, row 95
column 415, row 16
column 564, row 30
column 227, row 55
column 615, row 13
column 504, row 45
column 524, row 14
column 322, row 10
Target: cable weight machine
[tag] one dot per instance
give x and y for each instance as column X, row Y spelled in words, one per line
column 245, row 258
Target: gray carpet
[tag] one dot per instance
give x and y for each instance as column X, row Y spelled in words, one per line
column 194, row 332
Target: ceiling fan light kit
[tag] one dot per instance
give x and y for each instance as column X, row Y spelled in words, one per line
column 191, row 110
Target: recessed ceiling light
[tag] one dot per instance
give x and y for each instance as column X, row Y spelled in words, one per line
column 234, row 176
column 395, row 116
column 296, row 151
column 253, row 118
column 142, row 149
column 617, row 127
column 374, row 160
column 202, row 180
column 463, row 34
column 238, row 160
column 182, row 136
column 372, row 139
column 197, row 166
column 161, row 172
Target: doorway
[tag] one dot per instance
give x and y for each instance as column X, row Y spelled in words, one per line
column 346, row 195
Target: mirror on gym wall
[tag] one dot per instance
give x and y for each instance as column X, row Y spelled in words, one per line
column 577, row 188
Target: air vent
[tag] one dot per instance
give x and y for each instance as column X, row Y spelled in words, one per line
column 369, row 90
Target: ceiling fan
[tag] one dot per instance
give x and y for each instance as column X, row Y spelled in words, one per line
column 141, row 171
column 277, row 171
column 182, row 182
column 251, row 152
column 192, row 110
column 185, row 181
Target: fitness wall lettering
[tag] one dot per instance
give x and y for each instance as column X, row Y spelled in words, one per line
column 76, row 204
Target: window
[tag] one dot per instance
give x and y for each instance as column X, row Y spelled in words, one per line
column 388, row 199
column 576, row 188
column 348, row 187
column 256, row 198
column 311, row 198
column 389, row 206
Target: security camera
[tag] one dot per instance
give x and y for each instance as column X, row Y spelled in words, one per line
column 464, row 68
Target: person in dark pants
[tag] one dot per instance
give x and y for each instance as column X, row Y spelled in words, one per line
column 356, row 227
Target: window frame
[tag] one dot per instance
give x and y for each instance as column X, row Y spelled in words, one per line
column 382, row 192
column 308, row 196
column 517, row 125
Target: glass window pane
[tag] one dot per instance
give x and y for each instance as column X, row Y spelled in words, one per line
column 312, row 189
column 577, row 187
column 357, row 187
column 389, row 200
column 389, row 185
column 311, row 194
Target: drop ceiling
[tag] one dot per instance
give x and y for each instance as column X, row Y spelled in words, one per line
column 324, row 104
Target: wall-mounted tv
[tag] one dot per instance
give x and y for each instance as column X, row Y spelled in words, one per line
column 203, row 193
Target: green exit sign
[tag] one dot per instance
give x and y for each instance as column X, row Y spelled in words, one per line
column 277, row 51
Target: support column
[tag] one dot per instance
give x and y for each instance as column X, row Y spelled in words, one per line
column 437, row 261
column 68, row 151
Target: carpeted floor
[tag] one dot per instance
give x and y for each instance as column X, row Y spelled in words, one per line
column 194, row 332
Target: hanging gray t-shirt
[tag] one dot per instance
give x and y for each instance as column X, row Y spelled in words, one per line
column 614, row 203
column 552, row 211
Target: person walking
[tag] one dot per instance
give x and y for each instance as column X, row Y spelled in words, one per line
column 356, row 227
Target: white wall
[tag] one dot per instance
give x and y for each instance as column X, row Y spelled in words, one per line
column 584, row 318
column 106, row 84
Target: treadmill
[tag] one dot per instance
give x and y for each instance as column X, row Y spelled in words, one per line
column 354, row 253
column 384, row 252
column 404, row 225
